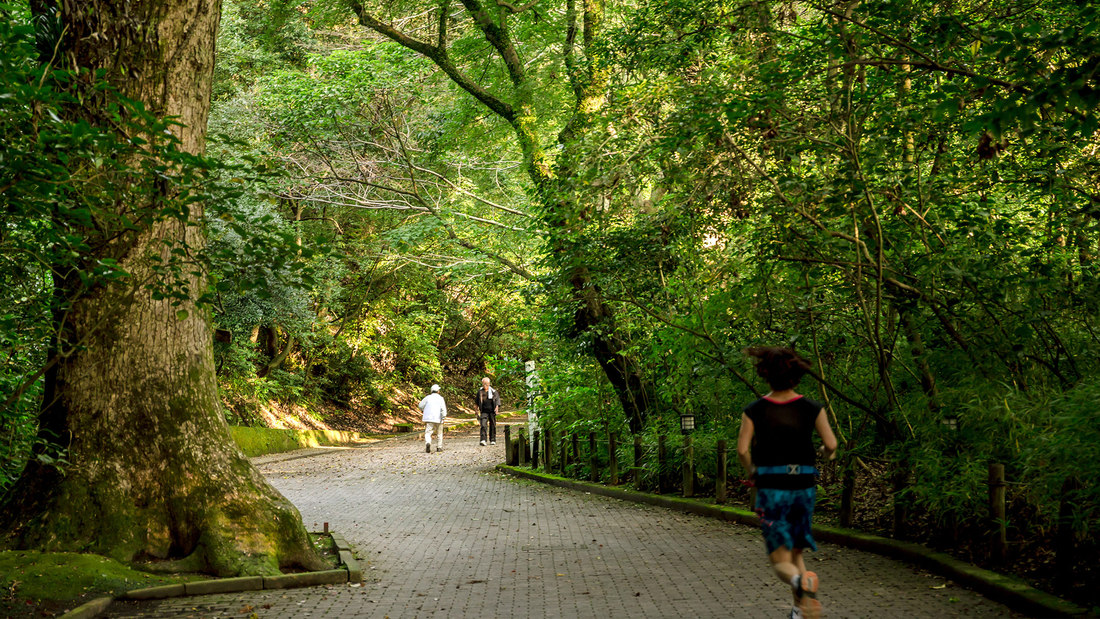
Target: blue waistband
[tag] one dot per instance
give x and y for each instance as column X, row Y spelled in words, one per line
column 787, row 469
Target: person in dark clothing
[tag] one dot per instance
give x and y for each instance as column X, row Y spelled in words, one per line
column 488, row 405
column 782, row 461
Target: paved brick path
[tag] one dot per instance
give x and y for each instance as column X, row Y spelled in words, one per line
column 443, row 535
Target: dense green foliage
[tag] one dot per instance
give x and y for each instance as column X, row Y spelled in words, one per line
column 68, row 190
column 77, row 198
column 907, row 192
column 905, row 195
column 405, row 290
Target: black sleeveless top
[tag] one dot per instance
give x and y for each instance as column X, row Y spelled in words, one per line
column 784, row 434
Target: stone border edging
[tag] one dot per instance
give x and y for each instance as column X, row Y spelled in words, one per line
column 347, row 558
column 89, row 610
column 1003, row 588
column 349, row 572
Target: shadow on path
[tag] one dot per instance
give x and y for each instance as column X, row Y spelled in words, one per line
column 444, row 535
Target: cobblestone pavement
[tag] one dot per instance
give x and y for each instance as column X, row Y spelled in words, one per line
column 443, row 535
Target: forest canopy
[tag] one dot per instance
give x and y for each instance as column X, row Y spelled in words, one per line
column 630, row 194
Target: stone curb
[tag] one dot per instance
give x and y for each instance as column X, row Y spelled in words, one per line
column 306, row 579
column 343, row 548
column 155, row 593
column 89, row 610
column 224, row 585
column 1004, row 589
column 349, row 572
column 338, row 541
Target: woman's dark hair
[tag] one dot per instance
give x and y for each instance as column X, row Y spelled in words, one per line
column 781, row 367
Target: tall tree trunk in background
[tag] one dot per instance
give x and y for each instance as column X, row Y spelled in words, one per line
column 152, row 472
column 607, row 347
column 278, row 358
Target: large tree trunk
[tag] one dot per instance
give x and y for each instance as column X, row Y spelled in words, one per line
column 152, row 472
column 594, row 319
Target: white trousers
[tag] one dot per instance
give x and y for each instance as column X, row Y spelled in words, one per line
column 432, row 426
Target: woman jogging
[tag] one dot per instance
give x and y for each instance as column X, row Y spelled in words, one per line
column 782, row 461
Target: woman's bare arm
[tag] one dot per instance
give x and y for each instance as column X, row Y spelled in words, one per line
column 744, row 444
column 826, row 432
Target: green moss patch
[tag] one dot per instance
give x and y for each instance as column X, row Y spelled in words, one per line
column 34, row 582
column 262, row 441
column 324, row 546
column 67, row 575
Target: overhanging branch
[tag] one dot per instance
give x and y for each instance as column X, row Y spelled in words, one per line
column 438, row 55
column 513, row 9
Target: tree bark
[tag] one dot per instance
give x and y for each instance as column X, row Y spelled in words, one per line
column 278, row 359
column 594, row 316
column 152, row 472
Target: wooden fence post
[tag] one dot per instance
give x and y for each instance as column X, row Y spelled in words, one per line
column 521, row 444
column 997, row 511
column 508, row 445
column 548, row 459
column 689, row 467
column 900, row 479
column 563, row 454
column 594, row 458
column 847, row 494
column 720, row 476
column 612, row 459
column 1064, row 546
column 662, row 462
column 637, row 462
column 576, row 449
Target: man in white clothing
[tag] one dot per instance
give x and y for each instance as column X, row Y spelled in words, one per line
column 435, row 411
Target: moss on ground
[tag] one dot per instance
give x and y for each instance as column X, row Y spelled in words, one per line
column 37, row 582
column 262, row 441
column 325, row 547
column 68, row 575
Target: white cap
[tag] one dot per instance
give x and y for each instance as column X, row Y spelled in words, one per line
column 435, row 388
